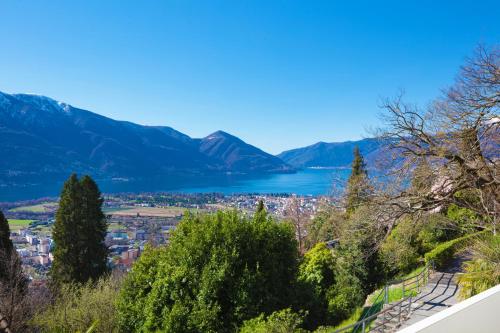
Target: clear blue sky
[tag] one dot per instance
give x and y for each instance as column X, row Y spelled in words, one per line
column 278, row 74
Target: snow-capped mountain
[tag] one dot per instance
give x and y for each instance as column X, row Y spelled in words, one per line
column 41, row 137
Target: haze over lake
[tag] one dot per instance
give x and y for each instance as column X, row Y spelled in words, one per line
column 304, row 182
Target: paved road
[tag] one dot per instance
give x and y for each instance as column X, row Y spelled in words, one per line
column 441, row 292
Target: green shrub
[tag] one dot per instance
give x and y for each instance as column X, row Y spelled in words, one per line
column 483, row 271
column 399, row 253
column 317, row 276
column 318, row 267
column 348, row 292
column 79, row 307
column 345, row 298
column 403, row 250
column 434, row 229
column 443, row 253
column 283, row 321
column 218, row 271
column 326, row 225
column 361, row 237
column 465, row 218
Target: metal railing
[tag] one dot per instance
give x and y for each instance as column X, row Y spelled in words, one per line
column 379, row 316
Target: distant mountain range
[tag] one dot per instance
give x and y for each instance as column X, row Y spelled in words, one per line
column 333, row 155
column 40, row 137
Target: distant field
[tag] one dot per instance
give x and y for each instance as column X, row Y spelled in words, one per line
column 149, row 211
column 40, row 208
column 43, row 230
column 116, row 226
column 108, row 210
column 217, row 207
column 19, row 224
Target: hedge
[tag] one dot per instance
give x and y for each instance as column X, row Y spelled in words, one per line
column 444, row 252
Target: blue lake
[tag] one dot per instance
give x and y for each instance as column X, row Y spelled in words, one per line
column 304, row 182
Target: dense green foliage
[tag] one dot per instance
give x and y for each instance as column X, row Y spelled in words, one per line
column 399, row 251
column 465, row 219
column 348, row 292
column 317, row 279
column 80, row 306
column 79, row 231
column 342, row 277
column 444, row 252
column 359, row 247
column 327, row 225
column 357, row 269
column 483, row 271
column 403, row 250
column 317, row 269
column 218, row 271
column 283, row 321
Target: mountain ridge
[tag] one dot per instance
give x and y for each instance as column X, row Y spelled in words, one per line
column 44, row 137
column 333, row 154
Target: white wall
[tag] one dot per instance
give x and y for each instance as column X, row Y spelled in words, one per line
column 480, row 313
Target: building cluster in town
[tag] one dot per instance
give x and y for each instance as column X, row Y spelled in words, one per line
column 135, row 220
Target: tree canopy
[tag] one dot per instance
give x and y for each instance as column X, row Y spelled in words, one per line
column 358, row 187
column 79, row 232
column 457, row 136
column 217, row 271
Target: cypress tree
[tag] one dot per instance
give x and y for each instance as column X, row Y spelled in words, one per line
column 260, row 206
column 261, row 213
column 358, row 187
column 93, row 231
column 358, row 164
column 79, row 232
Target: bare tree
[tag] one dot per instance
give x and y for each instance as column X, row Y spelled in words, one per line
column 299, row 217
column 15, row 307
column 457, row 137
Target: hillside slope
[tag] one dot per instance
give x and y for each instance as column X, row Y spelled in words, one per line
column 234, row 154
column 335, row 154
column 42, row 137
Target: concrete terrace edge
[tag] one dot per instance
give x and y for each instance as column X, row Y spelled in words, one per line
column 476, row 314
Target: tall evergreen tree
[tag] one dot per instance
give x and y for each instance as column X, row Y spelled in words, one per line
column 79, row 232
column 358, row 186
column 260, row 206
column 260, row 213
column 93, row 230
column 65, row 267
